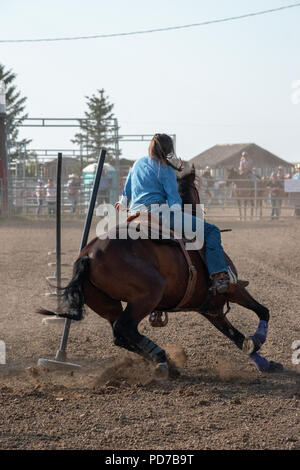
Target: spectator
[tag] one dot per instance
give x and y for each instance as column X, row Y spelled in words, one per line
column 296, row 175
column 275, row 187
column 208, row 183
column 280, row 173
column 73, row 190
column 105, row 184
column 51, row 197
column 40, row 195
column 246, row 164
column 207, row 173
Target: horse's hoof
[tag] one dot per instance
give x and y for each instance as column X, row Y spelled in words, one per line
column 162, row 371
column 275, row 367
column 173, row 371
column 251, row 345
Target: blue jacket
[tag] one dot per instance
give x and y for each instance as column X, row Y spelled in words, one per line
column 150, row 182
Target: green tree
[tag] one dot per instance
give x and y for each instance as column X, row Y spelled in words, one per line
column 98, row 129
column 15, row 111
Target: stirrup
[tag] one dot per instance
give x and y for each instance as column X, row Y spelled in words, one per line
column 220, row 285
column 156, row 319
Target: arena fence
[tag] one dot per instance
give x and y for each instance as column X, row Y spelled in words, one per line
column 220, row 200
column 23, row 199
column 1, row 195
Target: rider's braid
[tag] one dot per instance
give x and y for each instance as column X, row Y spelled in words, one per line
column 158, row 148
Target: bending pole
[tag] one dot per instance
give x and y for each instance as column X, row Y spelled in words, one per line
column 3, row 164
column 61, row 353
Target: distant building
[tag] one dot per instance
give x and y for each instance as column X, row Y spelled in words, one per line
column 68, row 165
column 220, row 157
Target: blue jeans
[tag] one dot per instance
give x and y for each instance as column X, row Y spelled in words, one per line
column 73, row 200
column 214, row 253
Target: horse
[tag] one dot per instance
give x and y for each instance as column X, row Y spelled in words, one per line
column 244, row 192
column 151, row 276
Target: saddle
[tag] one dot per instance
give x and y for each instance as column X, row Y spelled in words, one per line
column 150, row 222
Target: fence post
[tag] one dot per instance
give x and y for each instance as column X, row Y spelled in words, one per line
column 255, row 196
column 3, row 162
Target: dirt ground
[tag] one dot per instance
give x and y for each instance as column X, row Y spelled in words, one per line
column 220, row 401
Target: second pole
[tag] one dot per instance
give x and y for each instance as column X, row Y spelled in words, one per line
column 61, row 354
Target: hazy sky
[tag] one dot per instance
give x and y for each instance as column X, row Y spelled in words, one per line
column 222, row 83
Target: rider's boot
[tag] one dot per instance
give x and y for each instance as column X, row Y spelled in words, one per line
column 221, row 281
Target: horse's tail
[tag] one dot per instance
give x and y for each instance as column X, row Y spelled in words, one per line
column 72, row 305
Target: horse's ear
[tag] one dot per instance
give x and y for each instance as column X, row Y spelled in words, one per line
column 193, row 173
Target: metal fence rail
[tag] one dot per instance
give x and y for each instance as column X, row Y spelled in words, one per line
column 24, row 201
column 220, row 200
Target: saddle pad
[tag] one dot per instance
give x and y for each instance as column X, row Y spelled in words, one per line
column 142, row 225
column 147, row 221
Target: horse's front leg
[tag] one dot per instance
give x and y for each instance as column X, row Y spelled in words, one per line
column 260, row 208
column 241, row 296
column 260, row 362
column 253, row 343
column 252, row 208
column 240, row 209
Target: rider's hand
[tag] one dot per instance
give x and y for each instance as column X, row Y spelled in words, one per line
column 117, row 206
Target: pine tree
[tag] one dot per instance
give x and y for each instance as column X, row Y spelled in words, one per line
column 15, row 106
column 97, row 131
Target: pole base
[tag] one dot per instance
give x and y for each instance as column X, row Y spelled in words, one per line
column 53, row 321
column 57, row 365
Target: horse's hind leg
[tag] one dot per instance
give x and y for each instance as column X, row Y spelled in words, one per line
column 260, row 208
column 125, row 322
column 126, row 335
column 252, row 208
column 125, row 328
column 102, row 304
column 240, row 209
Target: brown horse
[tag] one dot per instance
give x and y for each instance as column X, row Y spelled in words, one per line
column 245, row 192
column 152, row 275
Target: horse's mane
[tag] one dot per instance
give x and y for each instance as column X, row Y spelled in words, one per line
column 187, row 178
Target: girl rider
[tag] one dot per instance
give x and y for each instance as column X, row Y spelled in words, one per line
column 151, row 181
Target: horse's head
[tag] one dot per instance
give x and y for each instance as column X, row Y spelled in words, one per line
column 231, row 175
column 187, row 188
